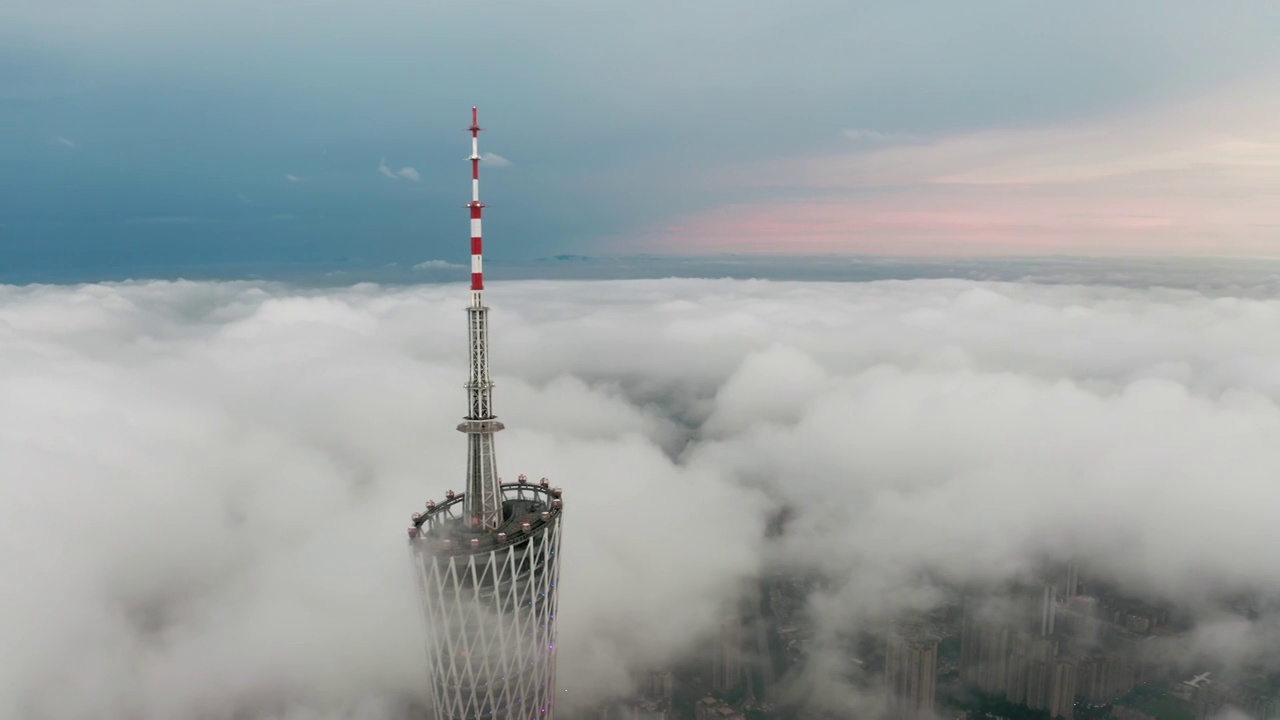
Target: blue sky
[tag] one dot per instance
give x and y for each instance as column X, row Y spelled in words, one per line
column 151, row 135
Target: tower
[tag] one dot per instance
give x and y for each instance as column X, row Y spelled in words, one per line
column 488, row 559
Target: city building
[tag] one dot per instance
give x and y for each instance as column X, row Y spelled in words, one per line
column 651, row 700
column 1044, row 610
column 727, row 655
column 1259, row 702
column 1103, row 678
column 1060, row 693
column 1030, row 657
column 1209, row 698
column 638, row 709
column 1018, row 657
column 911, row 675
column 1068, row 584
column 487, row 559
column 658, row 685
column 709, row 708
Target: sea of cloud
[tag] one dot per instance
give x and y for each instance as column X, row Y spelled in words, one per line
column 206, row 484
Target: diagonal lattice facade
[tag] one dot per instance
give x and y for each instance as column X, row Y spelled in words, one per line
column 490, row 604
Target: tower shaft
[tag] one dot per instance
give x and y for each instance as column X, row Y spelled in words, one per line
column 483, row 494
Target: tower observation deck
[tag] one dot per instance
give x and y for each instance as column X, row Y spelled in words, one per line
column 488, row 559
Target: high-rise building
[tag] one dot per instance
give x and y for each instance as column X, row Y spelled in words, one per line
column 1103, row 677
column 1060, row 698
column 488, row 559
column 709, row 708
column 727, row 655
column 1029, row 657
column 1044, row 605
column 635, row 710
column 984, row 655
column 651, row 701
column 1209, row 698
column 911, row 675
column 1069, row 580
column 1018, row 657
column 1258, row 701
column 658, row 685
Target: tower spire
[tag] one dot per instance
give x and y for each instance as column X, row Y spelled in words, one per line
column 488, row 560
column 483, row 495
column 477, row 207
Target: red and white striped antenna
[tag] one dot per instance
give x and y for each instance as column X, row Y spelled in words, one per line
column 483, row 498
column 477, row 209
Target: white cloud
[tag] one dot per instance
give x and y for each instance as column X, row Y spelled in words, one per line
column 64, row 142
column 406, row 172
column 293, row 178
column 876, row 137
column 208, row 483
column 494, row 160
column 1186, row 176
column 162, row 220
column 1226, row 130
column 437, row 265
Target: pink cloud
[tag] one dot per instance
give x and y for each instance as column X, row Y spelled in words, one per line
column 944, row 223
column 1202, row 177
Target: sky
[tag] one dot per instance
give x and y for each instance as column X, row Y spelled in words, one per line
column 208, row 483
column 210, row 480
column 152, row 139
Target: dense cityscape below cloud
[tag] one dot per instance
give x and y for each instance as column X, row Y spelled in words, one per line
column 209, row 481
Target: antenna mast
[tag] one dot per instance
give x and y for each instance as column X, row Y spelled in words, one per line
column 488, row 560
column 483, row 495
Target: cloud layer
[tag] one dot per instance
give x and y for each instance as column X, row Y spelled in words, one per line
column 209, row 482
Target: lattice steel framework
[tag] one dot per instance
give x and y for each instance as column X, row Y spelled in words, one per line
column 488, row 559
column 490, row 603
